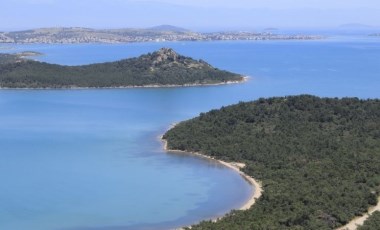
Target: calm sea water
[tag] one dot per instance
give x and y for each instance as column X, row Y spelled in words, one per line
column 91, row 159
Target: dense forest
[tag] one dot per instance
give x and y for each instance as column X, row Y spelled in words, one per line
column 372, row 223
column 162, row 68
column 318, row 158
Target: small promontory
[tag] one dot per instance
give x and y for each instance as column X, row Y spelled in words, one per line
column 163, row 68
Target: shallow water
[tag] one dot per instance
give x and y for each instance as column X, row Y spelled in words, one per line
column 91, row 159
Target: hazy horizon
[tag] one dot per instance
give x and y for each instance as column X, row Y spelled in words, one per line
column 343, row 27
column 195, row 15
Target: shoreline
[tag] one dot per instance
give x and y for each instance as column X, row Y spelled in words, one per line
column 244, row 79
column 257, row 189
column 359, row 221
column 289, row 38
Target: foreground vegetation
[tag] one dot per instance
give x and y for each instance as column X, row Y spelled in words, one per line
column 318, row 158
column 373, row 222
column 161, row 68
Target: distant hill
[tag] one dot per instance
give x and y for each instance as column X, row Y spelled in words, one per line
column 356, row 26
column 169, row 28
column 358, row 29
column 161, row 68
column 271, row 29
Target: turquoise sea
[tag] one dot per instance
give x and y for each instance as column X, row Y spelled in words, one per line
column 92, row 159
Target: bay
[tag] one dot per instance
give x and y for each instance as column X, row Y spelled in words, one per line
column 92, row 159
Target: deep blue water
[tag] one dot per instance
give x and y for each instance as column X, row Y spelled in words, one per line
column 91, row 159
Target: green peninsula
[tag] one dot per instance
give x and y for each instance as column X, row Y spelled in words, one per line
column 161, row 68
column 318, row 158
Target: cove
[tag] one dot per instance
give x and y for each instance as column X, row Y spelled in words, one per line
column 91, row 159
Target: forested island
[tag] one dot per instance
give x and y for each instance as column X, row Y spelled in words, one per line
column 161, row 68
column 318, row 158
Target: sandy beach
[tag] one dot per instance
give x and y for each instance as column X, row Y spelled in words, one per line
column 257, row 187
column 257, row 191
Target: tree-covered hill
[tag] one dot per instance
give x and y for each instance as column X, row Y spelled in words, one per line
column 318, row 158
column 161, row 68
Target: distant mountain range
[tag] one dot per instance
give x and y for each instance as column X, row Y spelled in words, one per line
column 169, row 28
column 157, row 33
column 360, row 28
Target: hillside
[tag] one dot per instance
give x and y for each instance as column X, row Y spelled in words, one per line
column 169, row 28
column 318, row 158
column 161, row 68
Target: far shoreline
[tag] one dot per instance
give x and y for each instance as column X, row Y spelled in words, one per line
column 256, row 186
column 243, row 80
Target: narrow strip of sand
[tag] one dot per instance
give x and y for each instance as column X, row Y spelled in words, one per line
column 257, row 187
column 358, row 221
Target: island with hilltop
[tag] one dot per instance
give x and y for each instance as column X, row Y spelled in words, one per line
column 318, row 159
column 162, row 68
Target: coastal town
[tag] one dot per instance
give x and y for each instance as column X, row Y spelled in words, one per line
column 74, row 35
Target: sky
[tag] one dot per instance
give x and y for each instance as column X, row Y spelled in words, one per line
column 192, row 14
